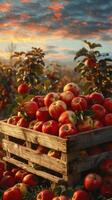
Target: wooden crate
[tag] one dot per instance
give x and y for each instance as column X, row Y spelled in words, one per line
column 69, row 167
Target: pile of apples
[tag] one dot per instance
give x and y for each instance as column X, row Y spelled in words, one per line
column 63, row 114
column 16, row 183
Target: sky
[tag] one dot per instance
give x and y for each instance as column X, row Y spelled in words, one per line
column 57, row 26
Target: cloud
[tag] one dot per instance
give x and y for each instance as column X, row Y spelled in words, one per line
column 5, row 7
column 40, row 21
column 56, row 7
column 60, row 19
column 25, row 1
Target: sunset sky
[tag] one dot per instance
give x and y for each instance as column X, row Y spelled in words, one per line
column 57, row 26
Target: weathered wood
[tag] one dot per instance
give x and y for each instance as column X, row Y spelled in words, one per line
column 88, row 139
column 28, row 144
column 43, row 139
column 7, row 152
column 31, row 155
column 40, row 173
column 69, row 167
column 91, row 162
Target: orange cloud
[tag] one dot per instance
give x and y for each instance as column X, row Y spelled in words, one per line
column 35, row 27
column 56, row 7
column 5, row 7
column 25, row 1
column 11, row 24
column 58, row 15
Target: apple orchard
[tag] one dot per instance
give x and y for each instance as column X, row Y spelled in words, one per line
column 44, row 100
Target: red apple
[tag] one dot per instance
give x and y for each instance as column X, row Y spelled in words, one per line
column 41, row 150
column 55, row 154
column 62, row 197
column 12, row 193
column 51, row 127
column 23, row 123
column 108, row 104
column 90, row 62
column 30, row 179
column 106, row 166
column 85, row 125
column 32, row 123
column 56, row 108
column 96, row 98
column 13, row 120
column 23, row 88
column 8, row 172
column 42, row 114
column 7, row 181
column 106, row 190
column 20, row 174
column 50, row 98
column 38, row 126
column 108, row 119
column 22, row 187
column 14, row 170
column 72, row 87
column 67, row 97
column 97, row 124
column 80, row 195
column 67, row 130
column 78, row 104
column 45, row 195
column 87, row 97
column 67, row 117
column 92, row 182
column 30, row 107
column 39, row 100
column 98, row 111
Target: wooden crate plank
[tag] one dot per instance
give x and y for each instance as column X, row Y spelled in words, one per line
column 31, row 155
column 40, row 173
column 90, row 138
column 43, row 139
column 90, row 162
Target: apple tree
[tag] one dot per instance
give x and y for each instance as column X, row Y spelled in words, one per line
column 94, row 69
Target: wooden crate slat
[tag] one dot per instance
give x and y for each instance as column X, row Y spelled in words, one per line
column 89, row 139
column 43, row 139
column 24, row 166
column 90, row 162
column 65, row 169
column 31, row 155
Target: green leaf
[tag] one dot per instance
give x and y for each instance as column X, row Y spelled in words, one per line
column 81, row 52
column 92, row 45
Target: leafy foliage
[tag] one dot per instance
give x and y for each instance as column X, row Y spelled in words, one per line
column 97, row 78
column 26, row 67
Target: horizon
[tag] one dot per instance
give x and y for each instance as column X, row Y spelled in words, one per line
column 58, row 27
